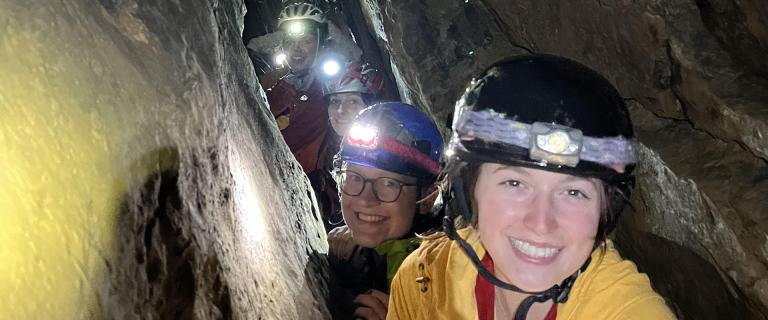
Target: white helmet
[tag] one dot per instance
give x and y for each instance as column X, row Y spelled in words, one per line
column 301, row 11
column 359, row 77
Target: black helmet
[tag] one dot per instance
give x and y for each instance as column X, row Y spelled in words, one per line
column 550, row 113
column 543, row 112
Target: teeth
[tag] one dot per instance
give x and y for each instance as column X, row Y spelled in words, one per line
column 534, row 251
column 369, row 218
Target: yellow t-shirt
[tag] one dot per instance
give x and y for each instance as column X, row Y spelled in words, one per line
column 437, row 281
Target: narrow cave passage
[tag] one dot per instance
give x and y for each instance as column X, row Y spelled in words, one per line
column 147, row 174
column 428, row 50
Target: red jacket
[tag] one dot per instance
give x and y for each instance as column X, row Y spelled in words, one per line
column 303, row 120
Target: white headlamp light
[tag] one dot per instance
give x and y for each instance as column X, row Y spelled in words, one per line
column 331, row 67
column 280, row 58
column 363, row 136
column 296, row 29
column 555, row 144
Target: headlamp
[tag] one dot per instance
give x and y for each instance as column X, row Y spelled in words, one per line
column 331, row 67
column 296, row 29
column 555, row 144
column 362, row 136
column 546, row 142
column 280, row 58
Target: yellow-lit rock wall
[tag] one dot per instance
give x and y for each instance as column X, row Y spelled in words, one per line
column 96, row 97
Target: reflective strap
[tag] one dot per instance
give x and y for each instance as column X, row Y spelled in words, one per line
column 491, row 126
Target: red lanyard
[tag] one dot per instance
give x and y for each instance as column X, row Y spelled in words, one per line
column 485, row 294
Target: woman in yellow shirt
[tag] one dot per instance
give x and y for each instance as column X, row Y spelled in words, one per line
column 539, row 168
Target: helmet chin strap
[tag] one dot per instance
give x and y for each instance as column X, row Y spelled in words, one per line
column 557, row 293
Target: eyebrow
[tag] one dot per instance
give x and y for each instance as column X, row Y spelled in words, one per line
column 511, row 168
column 570, row 178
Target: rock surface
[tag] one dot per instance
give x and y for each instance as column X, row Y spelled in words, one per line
column 695, row 73
column 143, row 176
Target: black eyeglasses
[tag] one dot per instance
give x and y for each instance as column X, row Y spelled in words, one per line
column 384, row 189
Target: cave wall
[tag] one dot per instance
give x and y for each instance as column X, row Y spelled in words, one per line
column 143, row 176
column 695, row 76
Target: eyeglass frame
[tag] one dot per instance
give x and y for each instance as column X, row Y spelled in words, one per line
column 401, row 184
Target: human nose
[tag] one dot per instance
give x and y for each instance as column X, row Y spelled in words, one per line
column 368, row 195
column 338, row 107
column 540, row 216
column 293, row 46
column 343, row 108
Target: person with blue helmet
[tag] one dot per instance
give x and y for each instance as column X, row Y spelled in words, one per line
column 388, row 162
column 538, row 170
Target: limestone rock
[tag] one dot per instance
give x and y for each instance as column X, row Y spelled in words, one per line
column 695, row 73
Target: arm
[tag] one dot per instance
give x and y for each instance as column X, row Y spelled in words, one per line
column 262, row 51
column 340, row 242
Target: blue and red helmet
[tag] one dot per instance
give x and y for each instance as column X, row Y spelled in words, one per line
column 396, row 137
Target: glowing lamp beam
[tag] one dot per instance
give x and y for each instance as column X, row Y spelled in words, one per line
column 295, row 29
column 363, row 137
column 331, row 68
column 280, row 58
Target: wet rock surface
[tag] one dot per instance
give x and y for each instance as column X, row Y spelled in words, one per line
column 694, row 73
column 233, row 234
column 143, row 175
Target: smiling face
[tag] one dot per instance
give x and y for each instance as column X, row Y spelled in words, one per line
column 372, row 221
column 538, row 226
column 301, row 50
column 342, row 109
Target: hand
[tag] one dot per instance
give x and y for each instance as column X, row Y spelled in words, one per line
column 340, row 242
column 271, row 78
column 373, row 305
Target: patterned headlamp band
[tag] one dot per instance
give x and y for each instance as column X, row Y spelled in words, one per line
column 546, row 142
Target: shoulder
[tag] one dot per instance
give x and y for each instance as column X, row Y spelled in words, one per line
column 437, row 250
column 431, row 252
column 433, row 278
column 612, row 288
column 412, row 295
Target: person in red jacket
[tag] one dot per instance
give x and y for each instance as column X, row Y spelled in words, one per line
column 293, row 85
column 296, row 100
